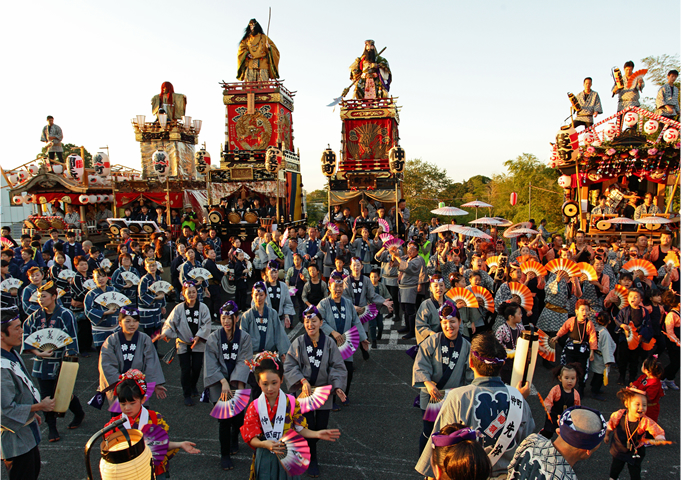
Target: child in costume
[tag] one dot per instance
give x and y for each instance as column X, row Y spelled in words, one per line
column 457, row 453
column 131, row 390
column 650, row 383
column 561, row 397
column 508, row 334
column 270, row 416
column 627, row 428
column 604, row 356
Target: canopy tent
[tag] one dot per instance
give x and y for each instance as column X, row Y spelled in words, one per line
column 341, row 197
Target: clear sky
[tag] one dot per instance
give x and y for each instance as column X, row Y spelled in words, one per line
column 479, row 82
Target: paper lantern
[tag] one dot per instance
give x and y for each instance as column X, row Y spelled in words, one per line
column 75, row 167
column 328, row 162
column 33, row 169
column 273, row 159
column 84, row 199
column 17, row 199
column 651, row 127
column 92, row 199
column 590, row 137
column 565, row 181
column 101, row 164
column 514, row 199
column 670, row 135
column 630, row 119
column 57, row 169
column 93, row 180
column 159, row 159
column 100, row 198
column 611, row 131
column 397, row 158
column 28, row 199
column 202, row 160
column 23, row 175
column 13, row 178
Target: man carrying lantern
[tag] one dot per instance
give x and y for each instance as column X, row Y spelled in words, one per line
column 258, row 57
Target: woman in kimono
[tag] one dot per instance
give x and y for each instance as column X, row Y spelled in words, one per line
column 59, row 266
column 152, row 306
column 188, row 266
column 559, row 288
column 427, row 317
column 35, row 278
column 104, row 321
column 78, row 293
column 412, row 270
column 127, row 349
column 441, row 364
column 189, row 324
column 314, row 361
column 595, row 290
column 339, row 316
column 389, row 276
column 224, row 368
column 363, row 248
column 126, row 287
column 278, row 297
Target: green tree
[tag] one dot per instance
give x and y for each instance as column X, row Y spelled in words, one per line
column 657, row 74
column 423, row 187
column 70, row 148
column 317, row 205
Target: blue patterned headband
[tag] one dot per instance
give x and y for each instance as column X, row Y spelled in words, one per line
column 130, row 311
column 311, row 312
column 259, row 287
column 451, row 314
column 188, row 283
column 229, row 308
column 577, row 439
column 441, row 440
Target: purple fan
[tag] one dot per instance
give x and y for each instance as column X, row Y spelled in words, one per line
column 156, row 438
column 369, row 314
column 333, row 227
column 284, row 237
column 394, row 242
column 384, row 225
column 116, row 407
column 297, row 457
column 350, row 343
column 316, row 399
column 434, row 407
column 234, row 406
column 292, row 291
column 385, row 237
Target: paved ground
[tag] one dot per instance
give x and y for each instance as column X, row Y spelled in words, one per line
column 380, row 429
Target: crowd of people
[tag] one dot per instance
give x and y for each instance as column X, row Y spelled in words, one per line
column 343, row 287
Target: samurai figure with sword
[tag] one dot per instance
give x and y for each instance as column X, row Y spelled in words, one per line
column 258, row 57
column 370, row 73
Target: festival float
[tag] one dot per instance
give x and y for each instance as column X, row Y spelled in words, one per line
column 631, row 151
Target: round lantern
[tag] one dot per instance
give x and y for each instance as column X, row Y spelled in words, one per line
column 100, row 198
column 611, row 131
column 590, row 137
column 13, row 178
column 651, row 127
column 328, row 162
column 202, row 160
column 33, row 169
column 273, row 159
column 92, row 199
column 397, row 158
column 565, row 181
column 28, row 199
column 17, row 199
column 75, row 167
column 57, row 169
column 161, row 163
column 84, row 199
column 514, row 199
column 23, row 175
column 101, row 164
column 630, row 119
column 670, row 135
column 93, row 180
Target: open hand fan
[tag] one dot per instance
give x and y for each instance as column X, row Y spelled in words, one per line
column 434, row 406
column 645, row 266
column 222, row 268
column 156, row 439
column 484, row 297
column 90, row 284
column 541, row 400
column 234, row 406
column 159, row 267
column 349, row 343
column 161, row 287
column 563, row 265
column 200, row 274
column 459, row 293
column 316, row 399
column 105, row 264
column 649, row 442
column 66, row 274
column 284, row 238
column 525, row 258
column 112, row 300
column 369, row 314
column 130, row 277
column 385, row 237
column 394, row 242
column 48, row 339
column 296, row 458
column 635, row 75
column 383, row 223
column 34, row 298
column 588, row 270
column 10, row 284
column 116, row 407
column 292, row 291
column 492, row 261
column 521, row 290
column 333, row 228
column 533, row 266
column 622, row 293
column 6, row 242
column 672, row 259
column 633, row 339
column 546, row 350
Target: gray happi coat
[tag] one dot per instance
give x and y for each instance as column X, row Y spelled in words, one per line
column 177, row 326
column 275, row 335
column 367, row 296
column 412, row 273
column 351, row 319
column 285, row 302
column 215, row 366
column 427, row 320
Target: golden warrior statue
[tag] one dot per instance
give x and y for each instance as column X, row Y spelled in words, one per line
column 258, row 57
column 371, row 74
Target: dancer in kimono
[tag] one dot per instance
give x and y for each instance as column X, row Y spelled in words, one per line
column 189, row 324
column 104, row 321
column 389, row 275
column 127, row 349
column 262, row 324
column 278, row 296
column 604, row 356
column 20, row 404
column 382, row 290
column 363, row 248
column 78, row 293
column 427, row 316
column 151, row 305
column 473, row 319
column 126, row 287
column 441, row 364
column 224, row 369
column 412, row 270
column 35, row 278
column 46, row 365
column 58, row 267
column 559, row 287
column 314, row 361
column 188, row 266
column 339, row 316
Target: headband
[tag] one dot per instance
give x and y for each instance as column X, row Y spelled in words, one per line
column 149, row 261
column 489, row 360
column 452, row 314
column 49, row 287
column 259, row 357
column 336, row 277
column 229, row 308
column 412, row 243
column 273, row 265
column 259, row 287
column 441, row 440
column 9, row 314
column 311, row 312
column 135, row 375
column 130, row 311
column 188, row 283
column 238, row 251
column 436, row 280
column 355, row 260
column 577, row 439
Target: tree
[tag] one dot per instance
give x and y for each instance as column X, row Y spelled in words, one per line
column 423, row 187
column 317, row 205
column 70, row 148
column 658, row 67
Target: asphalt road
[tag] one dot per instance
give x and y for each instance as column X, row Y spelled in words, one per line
column 379, row 430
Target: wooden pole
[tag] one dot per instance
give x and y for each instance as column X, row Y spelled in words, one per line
column 529, row 203
column 671, row 197
column 579, row 195
column 397, row 215
column 168, row 219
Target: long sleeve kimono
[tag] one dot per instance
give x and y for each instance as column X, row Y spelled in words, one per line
column 427, row 320
column 177, row 326
column 368, row 294
column 184, row 276
column 389, row 269
column 332, row 370
column 266, row 331
column 331, row 251
column 20, row 431
column 215, row 366
column 27, row 306
column 61, row 283
column 62, row 319
column 112, row 360
column 412, row 273
column 102, row 325
column 151, row 310
column 285, row 302
column 118, row 282
column 555, row 311
column 344, row 321
column 429, row 365
column 364, row 251
column 605, row 353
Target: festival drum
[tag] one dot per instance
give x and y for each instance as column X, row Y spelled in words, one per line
column 126, row 460
column 115, row 226
column 570, row 209
column 234, row 217
column 58, row 223
column 344, row 228
column 28, row 223
column 135, row 227
column 43, row 223
column 216, row 214
column 251, row 217
column 148, row 227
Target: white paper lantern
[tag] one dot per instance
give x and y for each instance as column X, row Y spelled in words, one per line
column 23, row 175
column 161, row 163
column 13, row 178
column 93, row 180
column 33, row 169
column 101, row 163
column 18, row 199
column 565, row 181
column 28, row 199
column 92, row 199
column 611, row 131
column 84, row 199
column 589, row 138
column 671, row 135
column 630, row 119
column 57, row 169
column 75, row 167
column 651, row 127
